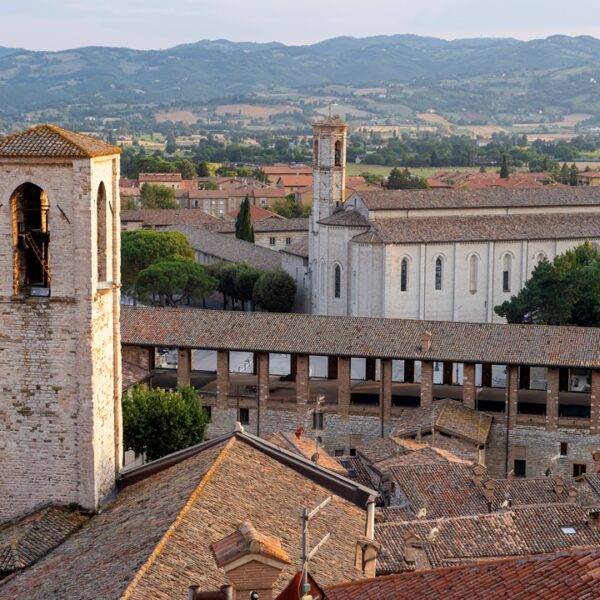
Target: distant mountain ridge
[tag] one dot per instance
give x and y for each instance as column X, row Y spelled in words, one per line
column 215, row 68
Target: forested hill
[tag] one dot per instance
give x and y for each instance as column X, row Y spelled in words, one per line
column 208, row 69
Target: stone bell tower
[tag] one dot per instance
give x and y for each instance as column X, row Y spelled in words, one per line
column 60, row 359
column 329, row 191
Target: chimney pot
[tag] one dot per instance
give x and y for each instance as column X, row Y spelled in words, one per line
column 426, row 341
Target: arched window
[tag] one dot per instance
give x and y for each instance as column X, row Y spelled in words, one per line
column 506, row 272
column 102, row 233
column 439, row 273
column 539, row 257
column 316, row 152
column 31, row 265
column 338, row 154
column 404, row 275
column 337, row 281
column 473, row 272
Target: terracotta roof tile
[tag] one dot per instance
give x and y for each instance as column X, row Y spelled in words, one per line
column 49, row 141
column 272, row 224
column 162, row 217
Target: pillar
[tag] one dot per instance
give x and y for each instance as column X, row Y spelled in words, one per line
column 594, row 400
column 222, row 378
column 371, row 369
column 426, row 383
column 302, row 385
column 385, row 393
column 262, row 369
column 184, row 366
column 512, row 395
column 552, row 399
column 344, row 386
column 468, row 390
column 332, row 367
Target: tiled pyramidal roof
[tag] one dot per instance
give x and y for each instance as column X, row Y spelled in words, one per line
column 49, row 141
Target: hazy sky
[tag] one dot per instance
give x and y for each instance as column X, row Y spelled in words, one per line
column 59, row 24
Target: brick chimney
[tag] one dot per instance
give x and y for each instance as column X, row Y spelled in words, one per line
column 559, row 486
column 572, row 495
column 426, row 341
column 478, row 472
column 251, row 560
column 594, row 518
column 414, row 551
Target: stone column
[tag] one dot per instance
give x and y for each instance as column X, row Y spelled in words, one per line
column 343, row 386
column 552, row 399
column 184, row 366
column 469, row 392
column 222, row 378
column 426, row 383
column 385, row 393
column 302, row 386
column 512, row 394
column 594, row 403
column 262, row 369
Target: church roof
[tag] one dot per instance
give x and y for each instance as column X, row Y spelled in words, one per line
column 50, row 141
column 345, row 218
column 415, row 230
column 379, row 199
column 154, row 539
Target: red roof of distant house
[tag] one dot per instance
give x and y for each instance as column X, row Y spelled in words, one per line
column 590, row 175
column 295, row 180
column 276, row 170
column 257, row 213
column 150, row 177
column 461, row 179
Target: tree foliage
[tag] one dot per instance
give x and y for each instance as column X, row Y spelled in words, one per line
column 175, row 280
column 504, row 172
column 243, row 222
column 275, row 291
column 157, row 422
column 141, row 248
column 403, row 179
column 157, row 196
column 565, row 291
column 289, row 208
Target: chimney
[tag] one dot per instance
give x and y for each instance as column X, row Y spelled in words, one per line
column 596, row 457
column 489, row 493
column 414, row 551
column 426, row 341
column 594, row 518
column 252, row 561
column 559, row 486
column 225, row 593
column 478, row 473
column 572, row 495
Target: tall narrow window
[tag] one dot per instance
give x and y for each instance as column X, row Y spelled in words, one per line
column 338, row 154
column 439, row 273
column 506, row 272
column 404, row 275
column 473, row 268
column 31, row 265
column 337, row 281
column 316, row 152
column 102, row 236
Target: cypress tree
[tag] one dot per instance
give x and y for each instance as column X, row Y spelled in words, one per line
column 504, row 168
column 243, row 222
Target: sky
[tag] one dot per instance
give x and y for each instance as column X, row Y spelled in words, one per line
column 145, row 24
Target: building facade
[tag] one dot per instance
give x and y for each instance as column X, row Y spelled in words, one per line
column 60, row 432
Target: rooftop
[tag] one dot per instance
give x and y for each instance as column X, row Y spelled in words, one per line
column 272, row 224
column 537, row 345
column 50, row 141
column 161, row 217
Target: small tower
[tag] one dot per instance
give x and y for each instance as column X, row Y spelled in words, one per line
column 329, row 189
column 60, row 423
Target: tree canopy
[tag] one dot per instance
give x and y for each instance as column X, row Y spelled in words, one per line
column 175, row 280
column 157, row 422
column 243, row 222
column 157, row 196
column 141, row 248
column 565, row 291
column 275, row 291
column 403, row 179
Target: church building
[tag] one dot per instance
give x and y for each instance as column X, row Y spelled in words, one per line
column 440, row 254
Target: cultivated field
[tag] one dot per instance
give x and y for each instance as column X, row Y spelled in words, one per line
column 253, row 111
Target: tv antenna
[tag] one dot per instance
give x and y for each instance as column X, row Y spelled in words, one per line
column 308, row 554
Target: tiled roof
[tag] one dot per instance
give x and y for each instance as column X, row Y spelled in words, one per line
column 49, row 141
column 24, row 542
column 482, row 228
column 272, row 224
column 161, row 217
column 542, row 345
column 295, row 180
column 149, row 177
column 247, row 540
column 422, row 199
column 258, row 213
column 229, row 248
column 133, row 374
column 287, row 170
column 465, row 539
column 355, row 470
column 345, row 218
column 571, row 574
column 298, row 248
column 590, row 175
column 153, row 540
column 333, row 121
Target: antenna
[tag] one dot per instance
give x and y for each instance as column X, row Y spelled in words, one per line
column 307, row 554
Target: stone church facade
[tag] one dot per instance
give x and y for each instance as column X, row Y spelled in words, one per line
column 60, row 431
column 432, row 254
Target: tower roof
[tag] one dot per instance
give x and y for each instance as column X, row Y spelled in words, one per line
column 50, row 141
column 334, row 121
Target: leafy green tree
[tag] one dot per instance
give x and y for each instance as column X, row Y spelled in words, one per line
column 157, row 422
column 171, row 146
column 186, row 167
column 504, row 173
column 225, row 273
column 275, row 291
column 403, row 179
column 245, row 280
column 175, row 280
column 141, row 248
column 158, row 196
column 371, row 178
column 565, row 291
column 573, row 174
column 243, row 223
column 203, row 170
